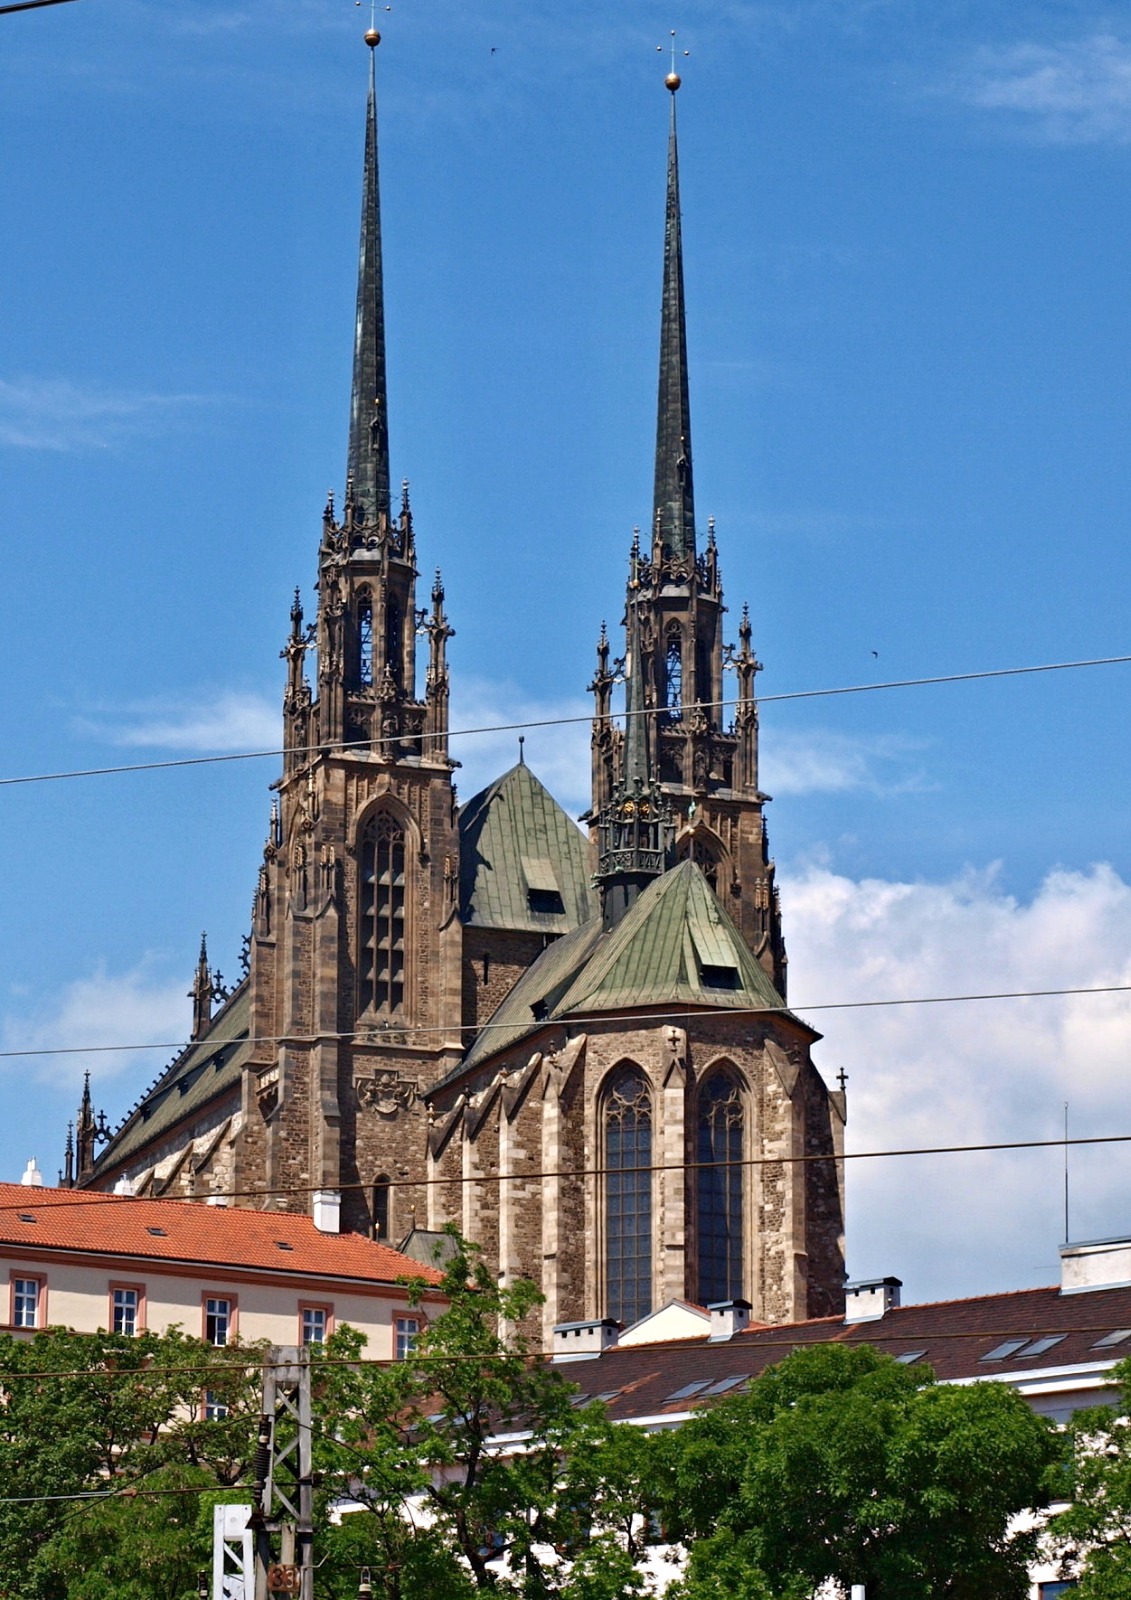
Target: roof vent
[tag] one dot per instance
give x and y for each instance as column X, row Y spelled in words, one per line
column 32, row 1177
column 1095, row 1264
column 728, row 1317
column 581, row 1341
column 871, row 1298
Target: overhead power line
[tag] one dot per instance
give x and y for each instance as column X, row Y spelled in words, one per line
column 30, row 5
column 29, row 1203
column 538, row 1025
column 378, row 742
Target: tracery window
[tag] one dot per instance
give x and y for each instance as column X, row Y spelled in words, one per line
column 703, row 854
column 394, row 644
column 673, row 676
column 719, row 1185
column 628, row 1195
column 365, row 640
column 381, row 965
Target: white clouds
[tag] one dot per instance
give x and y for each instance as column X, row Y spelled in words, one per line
column 226, row 720
column 821, row 761
column 1077, row 92
column 130, row 1008
column 55, row 414
column 956, row 1074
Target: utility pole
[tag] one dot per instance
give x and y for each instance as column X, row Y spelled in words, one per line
column 283, row 1515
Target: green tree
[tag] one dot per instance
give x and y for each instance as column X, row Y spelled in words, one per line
column 110, row 1467
column 1093, row 1536
column 839, row 1464
column 446, row 1512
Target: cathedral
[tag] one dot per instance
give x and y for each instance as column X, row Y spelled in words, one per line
column 573, row 1044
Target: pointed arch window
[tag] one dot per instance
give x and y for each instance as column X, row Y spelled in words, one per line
column 699, row 850
column 381, row 967
column 365, row 641
column 381, row 1193
column 394, row 643
column 627, row 1118
column 673, row 676
column 719, row 1188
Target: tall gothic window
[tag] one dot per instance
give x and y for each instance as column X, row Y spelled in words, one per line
column 719, row 1175
column 673, row 676
column 628, row 1195
column 394, row 644
column 365, row 640
column 699, row 851
column 381, row 969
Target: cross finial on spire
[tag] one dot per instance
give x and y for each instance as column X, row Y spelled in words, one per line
column 673, row 79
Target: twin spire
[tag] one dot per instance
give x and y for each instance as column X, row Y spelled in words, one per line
column 367, row 464
column 674, row 499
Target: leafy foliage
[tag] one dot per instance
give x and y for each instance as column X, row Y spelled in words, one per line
column 1094, row 1534
column 841, row 1465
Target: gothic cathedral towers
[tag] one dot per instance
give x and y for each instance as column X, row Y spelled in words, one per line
column 355, row 949
column 577, row 1048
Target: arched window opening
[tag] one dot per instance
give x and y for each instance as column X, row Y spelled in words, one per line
column 381, row 970
column 702, row 853
column 394, row 643
column 628, row 1195
column 381, row 1209
column 719, row 1181
column 673, row 676
column 365, row 641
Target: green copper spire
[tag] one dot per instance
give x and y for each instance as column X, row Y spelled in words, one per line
column 368, row 460
column 674, row 503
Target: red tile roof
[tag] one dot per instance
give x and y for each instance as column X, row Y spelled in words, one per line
column 188, row 1231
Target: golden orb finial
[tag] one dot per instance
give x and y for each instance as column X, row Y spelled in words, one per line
column 372, row 38
column 673, row 81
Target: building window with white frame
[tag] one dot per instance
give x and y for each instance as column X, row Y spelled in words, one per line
column 25, row 1302
column 314, row 1321
column 214, row 1408
column 217, row 1319
column 125, row 1307
column 407, row 1331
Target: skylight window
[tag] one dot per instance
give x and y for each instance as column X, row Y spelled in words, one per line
column 1039, row 1346
column 283, row 1245
column 609, row 1394
column 26, row 1216
column 724, row 1384
column 689, row 1389
column 1109, row 1339
column 1010, row 1347
column 158, row 1233
column 909, row 1356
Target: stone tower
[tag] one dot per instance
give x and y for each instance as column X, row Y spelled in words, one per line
column 355, row 945
column 706, row 761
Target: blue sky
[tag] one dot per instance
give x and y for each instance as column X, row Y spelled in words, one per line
column 906, row 235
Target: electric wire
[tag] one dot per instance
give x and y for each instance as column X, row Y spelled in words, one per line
column 378, row 742
column 537, row 1025
column 460, row 1180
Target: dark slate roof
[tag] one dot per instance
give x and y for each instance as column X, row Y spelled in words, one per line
column 656, row 955
column 952, row 1337
column 204, row 1072
column 514, row 837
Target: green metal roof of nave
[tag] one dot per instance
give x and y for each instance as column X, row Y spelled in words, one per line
column 514, row 839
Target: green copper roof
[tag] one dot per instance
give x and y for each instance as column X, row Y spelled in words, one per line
column 518, row 851
column 675, row 945
column 202, row 1073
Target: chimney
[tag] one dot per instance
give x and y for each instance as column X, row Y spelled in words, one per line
column 32, row 1178
column 871, row 1298
column 582, row 1341
column 1095, row 1264
column 327, row 1211
column 728, row 1317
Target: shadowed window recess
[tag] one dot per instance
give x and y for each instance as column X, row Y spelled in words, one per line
column 381, row 966
column 719, row 1189
column 628, row 1195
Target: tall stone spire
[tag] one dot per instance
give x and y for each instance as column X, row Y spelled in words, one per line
column 368, row 461
column 674, row 500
